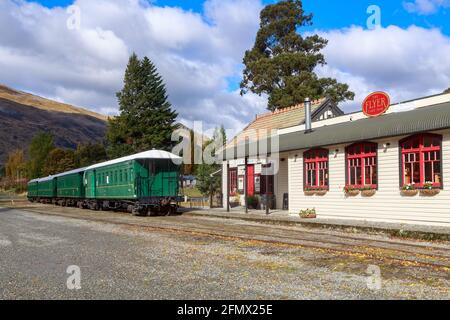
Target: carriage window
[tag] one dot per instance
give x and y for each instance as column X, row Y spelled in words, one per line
column 362, row 165
column 125, row 175
column 421, row 160
column 316, row 168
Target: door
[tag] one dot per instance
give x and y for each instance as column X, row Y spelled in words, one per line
column 93, row 185
column 251, row 180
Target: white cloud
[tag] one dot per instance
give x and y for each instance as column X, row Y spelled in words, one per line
column 425, row 7
column 407, row 63
column 194, row 53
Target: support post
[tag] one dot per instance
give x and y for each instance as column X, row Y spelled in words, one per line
column 228, row 186
column 245, row 184
column 267, row 193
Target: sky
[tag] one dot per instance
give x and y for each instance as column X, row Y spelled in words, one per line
column 76, row 51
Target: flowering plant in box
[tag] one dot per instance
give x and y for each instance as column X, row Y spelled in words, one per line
column 428, row 189
column 428, row 185
column 368, row 191
column 409, row 190
column 351, row 191
column 409, row 187
column 308, row 213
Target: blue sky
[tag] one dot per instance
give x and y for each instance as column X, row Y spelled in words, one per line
column 198, row 47
column 330, row 14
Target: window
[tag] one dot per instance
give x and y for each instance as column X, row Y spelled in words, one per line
column 233, row 181
column 316, row 168
column 362, row 165
column 125, row 175
column 421, row 160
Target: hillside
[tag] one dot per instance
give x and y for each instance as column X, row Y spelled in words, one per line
column 23, row 115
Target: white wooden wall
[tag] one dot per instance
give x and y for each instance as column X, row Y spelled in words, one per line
column 387, row 204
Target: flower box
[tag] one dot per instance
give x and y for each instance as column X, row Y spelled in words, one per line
column 308, row 214
column 309, row 193
column 429, row 192
column 368, row 192
column 321, row 192
column 351, row 193
column 409, row 192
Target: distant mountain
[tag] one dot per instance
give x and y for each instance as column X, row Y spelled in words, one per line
column 23, row 115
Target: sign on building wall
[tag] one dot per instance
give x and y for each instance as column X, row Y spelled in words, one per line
column 241, row 183
column 241, row 170
column 257, row 184
column 376, row 104
column 258, row 168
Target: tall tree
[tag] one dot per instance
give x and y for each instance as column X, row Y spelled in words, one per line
column 89, row 154
column 209, row 178
column 59, row 160
column 281, row 63
column 15, row 167
column 146, row 119
column 447, row 91
column 40, row 147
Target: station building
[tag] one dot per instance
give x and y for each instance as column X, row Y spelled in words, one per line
column 393, row 168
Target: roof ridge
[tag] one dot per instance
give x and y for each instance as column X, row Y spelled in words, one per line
column 283, row 110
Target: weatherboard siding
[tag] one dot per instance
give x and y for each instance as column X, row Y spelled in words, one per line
column 387, row 204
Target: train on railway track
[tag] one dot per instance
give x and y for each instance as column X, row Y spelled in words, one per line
column 145, row 183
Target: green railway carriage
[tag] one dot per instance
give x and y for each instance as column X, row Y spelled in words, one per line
column 142, row 183
column 32, row 189
column 69, row 187
column 46, row 188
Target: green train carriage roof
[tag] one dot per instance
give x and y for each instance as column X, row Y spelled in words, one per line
column 151, row 154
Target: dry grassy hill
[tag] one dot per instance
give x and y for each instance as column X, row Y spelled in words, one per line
column 23, row 115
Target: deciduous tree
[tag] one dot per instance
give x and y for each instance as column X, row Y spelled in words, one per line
column 58, row 161
column 40, row 147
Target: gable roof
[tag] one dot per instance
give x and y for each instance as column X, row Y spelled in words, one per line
column 279, row 119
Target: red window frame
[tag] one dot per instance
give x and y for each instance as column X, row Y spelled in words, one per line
column 233, row 178
column 362, row 165
column 315, row 166
column 416, row 154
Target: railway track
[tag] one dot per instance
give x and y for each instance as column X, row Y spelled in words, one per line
column 419, row 254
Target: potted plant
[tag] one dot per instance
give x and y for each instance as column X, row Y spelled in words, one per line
column 409, row 190
column 308, row 214
column 351, row 191
column 368, row 191
column 428, row 190
column 252, row 202
column 235, row 200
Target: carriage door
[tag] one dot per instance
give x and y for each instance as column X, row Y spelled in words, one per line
column 251, row 180
column 93, row 184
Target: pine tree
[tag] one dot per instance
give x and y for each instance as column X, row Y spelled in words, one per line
column 282, row 62
column 146, row 119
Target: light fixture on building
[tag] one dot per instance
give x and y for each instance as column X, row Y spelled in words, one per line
column 386, row 146
column 336, row 152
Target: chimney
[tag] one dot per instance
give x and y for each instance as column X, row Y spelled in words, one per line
column 308, row 127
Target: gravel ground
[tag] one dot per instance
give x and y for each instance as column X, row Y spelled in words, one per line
column 142, row 258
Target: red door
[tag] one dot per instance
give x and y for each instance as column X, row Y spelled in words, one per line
column 251, row 180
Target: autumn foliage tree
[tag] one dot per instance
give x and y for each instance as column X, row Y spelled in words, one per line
column 59, row 160
column 282, row 62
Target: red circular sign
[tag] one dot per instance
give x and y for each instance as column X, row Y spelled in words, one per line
column 376, row 104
